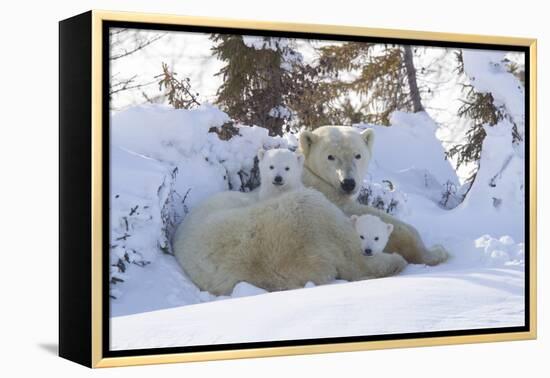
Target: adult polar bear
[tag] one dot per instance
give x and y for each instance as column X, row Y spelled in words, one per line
column 301, row 236
column 335, row 164
column 277, row 244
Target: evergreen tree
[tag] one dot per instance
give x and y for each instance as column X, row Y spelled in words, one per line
column 256, row 80
column 178, row 92
column 385, row 77
column 311, row 98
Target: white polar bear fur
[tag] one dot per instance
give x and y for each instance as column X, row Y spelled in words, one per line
column 216, row 260
column 282, row 165
column 276, row 244
column 351, row 152
column 373, row 233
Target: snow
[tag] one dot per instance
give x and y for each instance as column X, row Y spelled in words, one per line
column 497, row 195
column 437, row 70
column 484, row 69
column 137, row 230
column 480, row 298
column 165, row 161
column 189, row 55
column 244, row 289
column 501, row 251
column 481, row 286
column 265, row 43
column 284, row 45
column 181, row 138
column 409, row 155
column 488, row 74
column 398, row 148
column 280, row 112
column 158, row 132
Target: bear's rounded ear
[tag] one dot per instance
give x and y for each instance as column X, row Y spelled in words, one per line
column 300, row 158
column 390, row 228
column 368, row 137
column 261, row 153
column 307, row 138
column 354, row 219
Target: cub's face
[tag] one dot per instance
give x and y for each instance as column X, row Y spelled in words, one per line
column 339, row 155
column 373, row 232
column 281, row 168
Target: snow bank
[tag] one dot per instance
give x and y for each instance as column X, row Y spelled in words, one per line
column 497, row 196
column 411, row 144
column 383, row 196
column 179, row 137
column 485, row 298
column 165, row 161
column 408, row 155
column 488, row 74
column 140, row 187
column 503, row 251
column 164, row 133
column 486, row 70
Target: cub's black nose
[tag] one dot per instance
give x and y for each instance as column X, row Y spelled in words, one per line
column 368, row 252
column 348, row 185
column 278, row 179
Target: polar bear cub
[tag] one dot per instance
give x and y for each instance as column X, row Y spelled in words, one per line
column 373, row 232
column 280, row 171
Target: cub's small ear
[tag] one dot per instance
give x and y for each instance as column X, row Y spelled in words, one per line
column 261, row 153
column 300, row 158
column 368, row 137
column 354, row 219
column 307, row 139
column 390, row 228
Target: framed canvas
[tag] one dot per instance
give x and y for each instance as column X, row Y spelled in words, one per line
column 234, row 189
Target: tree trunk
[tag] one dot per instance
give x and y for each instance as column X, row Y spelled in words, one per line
column 411, row 78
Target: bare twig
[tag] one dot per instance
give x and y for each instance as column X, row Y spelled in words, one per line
column 139, row 46
column 178, row 92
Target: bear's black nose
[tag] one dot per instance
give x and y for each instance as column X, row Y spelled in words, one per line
column 348, row 185
column 368, row 252
column 278, row 178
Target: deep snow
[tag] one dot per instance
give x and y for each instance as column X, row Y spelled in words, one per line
column 164, row 162
column 419, row 300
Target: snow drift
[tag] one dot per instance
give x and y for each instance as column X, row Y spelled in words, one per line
column 165, row 161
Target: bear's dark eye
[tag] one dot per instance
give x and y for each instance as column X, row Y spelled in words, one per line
column 287, row 169
column 376, row 238
column 271, row 167
column 330, row 157
column 358, row 156
column 361, row 236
